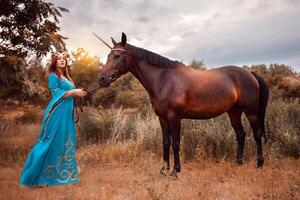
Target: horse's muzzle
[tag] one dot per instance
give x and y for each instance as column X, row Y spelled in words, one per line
column 104, row 81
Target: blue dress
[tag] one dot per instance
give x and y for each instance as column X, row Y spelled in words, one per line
column 52, row 160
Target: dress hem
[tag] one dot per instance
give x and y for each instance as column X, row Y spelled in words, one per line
column 60, row 184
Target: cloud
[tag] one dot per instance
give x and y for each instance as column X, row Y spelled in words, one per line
column 219, row 32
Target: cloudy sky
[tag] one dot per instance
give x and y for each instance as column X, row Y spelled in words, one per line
column 220, row 32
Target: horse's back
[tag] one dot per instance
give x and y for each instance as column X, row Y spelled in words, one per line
column 202, row 94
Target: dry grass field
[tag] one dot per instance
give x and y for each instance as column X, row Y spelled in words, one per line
column 129, row 169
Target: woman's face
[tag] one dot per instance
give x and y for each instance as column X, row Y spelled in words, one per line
column 61, row 62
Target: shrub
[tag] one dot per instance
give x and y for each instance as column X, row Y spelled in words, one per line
column 94, row 126
column 100, row 126
column 213, row 138
column 283, row 127
column 31, row 115
column 126, row 99
column 148, row 131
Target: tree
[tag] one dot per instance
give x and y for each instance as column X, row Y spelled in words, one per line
column 85, row 70
column 27, row 28
column 197, row 64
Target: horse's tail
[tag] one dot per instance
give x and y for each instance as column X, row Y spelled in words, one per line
column 263, row 101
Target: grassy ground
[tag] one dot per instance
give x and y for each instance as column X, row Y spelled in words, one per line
column 125, row 170
column 140, row 180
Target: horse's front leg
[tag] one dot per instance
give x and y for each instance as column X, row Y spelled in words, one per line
column 166, row 144
column 175, row 125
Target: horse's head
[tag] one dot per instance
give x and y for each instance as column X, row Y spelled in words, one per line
column 116, row 63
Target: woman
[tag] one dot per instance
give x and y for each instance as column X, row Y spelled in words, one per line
column 52, row 160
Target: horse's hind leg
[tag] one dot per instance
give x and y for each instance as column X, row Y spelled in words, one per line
column 257, row 133
column 166, row 144
column 235, row 114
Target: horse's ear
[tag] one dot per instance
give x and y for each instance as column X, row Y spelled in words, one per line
column 124, row 39
column 113, row 41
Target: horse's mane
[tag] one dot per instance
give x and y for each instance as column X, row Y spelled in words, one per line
column 151, row 57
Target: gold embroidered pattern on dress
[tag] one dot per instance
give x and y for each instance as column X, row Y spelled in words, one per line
column 66, row 168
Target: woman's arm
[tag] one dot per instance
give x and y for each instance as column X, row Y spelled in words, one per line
column 78, row 92
column 69, row 93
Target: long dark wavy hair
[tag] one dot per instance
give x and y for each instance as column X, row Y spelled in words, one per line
column 53, row 68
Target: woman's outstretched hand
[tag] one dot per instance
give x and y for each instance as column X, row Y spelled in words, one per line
column 79, row 92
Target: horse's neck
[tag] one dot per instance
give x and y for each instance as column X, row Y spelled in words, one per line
column 148, row 75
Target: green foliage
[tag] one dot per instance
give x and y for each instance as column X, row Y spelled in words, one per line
column 29, row 26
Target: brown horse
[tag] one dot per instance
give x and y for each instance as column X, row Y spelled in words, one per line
column 177, row 92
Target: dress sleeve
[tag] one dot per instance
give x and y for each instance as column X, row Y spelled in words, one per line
column 53, row 84
column 57, row 99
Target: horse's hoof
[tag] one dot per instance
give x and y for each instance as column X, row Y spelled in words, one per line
column 239, row 161
column 259, row 166
column 173, row 174
column 165, row 167
column 161, row 172
column 260, row 163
